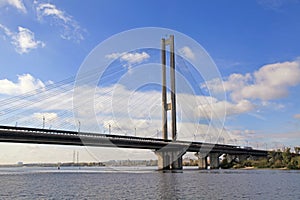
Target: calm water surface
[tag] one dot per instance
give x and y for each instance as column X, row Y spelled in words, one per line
column 146, row 183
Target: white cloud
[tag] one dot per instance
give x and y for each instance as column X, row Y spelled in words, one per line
column 225, row 108
column 187, row 52
column 113, row 56
column 272, row 81
column 45, row 12
column 236, row 81
column 6, row 31
column 31, row 99
column 123, row 109
column 145, row 118
column 48, row 116
column 71, row 29
column 233, row 83
column 279, row 74
column 243, row 137
column 126, row 110
column 26, row 83
column 48, row 9
column 23, row 40
column 130, row 58
column 268, row 83
column 18, row 4
column 133, row 58
column 242, row 106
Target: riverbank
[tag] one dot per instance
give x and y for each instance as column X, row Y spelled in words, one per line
column 68, row 164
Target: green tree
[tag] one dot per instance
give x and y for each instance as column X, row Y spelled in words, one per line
column 293, row 164
column 286, row 157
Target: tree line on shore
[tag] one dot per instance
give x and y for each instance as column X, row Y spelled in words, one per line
column 275, row 159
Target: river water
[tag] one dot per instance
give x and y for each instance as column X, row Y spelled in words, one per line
column 146, row 183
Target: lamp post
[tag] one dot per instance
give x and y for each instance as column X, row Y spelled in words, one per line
column 78, row 126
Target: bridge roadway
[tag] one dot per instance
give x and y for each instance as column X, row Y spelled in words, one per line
column 63, row 137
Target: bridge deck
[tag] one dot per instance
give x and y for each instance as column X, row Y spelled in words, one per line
column 62, row 137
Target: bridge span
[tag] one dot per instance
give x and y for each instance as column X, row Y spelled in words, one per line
column 169, row 152
column 159, row 146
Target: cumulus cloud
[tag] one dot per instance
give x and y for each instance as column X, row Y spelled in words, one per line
column 187, row 52
column 26, row 83
column 125, row 110
column 31, row 99
column 270, row 82
column 133, row 58
column 113, row 56
column 18, row 4
column 70, row 28
column 224, row 108
column 278, row 74
column 23, row 40
column 233, row 83
column 130, row 58
column 48, row 116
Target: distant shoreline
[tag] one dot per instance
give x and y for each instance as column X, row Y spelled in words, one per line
column 57, row 165
column 71, row 164
column 113, row 163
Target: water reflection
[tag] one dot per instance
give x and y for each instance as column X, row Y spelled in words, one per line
column 167, row 183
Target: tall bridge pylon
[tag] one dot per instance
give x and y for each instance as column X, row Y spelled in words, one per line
column 168, row 106
column 169, row 158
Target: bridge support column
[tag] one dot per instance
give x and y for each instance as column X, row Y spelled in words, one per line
column 202, row 161
column 169, row 159
column 214, row 160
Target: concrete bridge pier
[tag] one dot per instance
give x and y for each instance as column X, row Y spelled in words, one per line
column 169, row 159
column 214, row 160
column 230, row 158
column 238, row 158
column 202, row 161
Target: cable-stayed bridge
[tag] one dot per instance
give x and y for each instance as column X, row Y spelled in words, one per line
column 62, row 137
column 24, row 110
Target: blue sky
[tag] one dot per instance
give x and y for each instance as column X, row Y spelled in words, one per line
column 255, row 45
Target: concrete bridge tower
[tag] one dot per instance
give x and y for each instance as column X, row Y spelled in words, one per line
column 168, row 106
column 168, row 158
